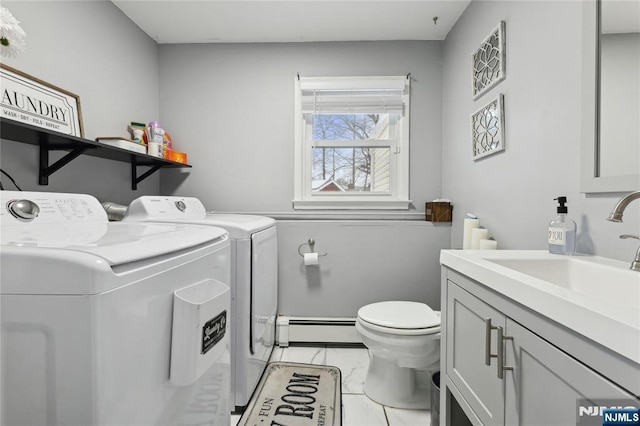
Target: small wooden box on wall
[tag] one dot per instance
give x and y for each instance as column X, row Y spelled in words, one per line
column 438, row 211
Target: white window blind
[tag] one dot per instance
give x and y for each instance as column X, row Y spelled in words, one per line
column 345, row 95
column 350, row 101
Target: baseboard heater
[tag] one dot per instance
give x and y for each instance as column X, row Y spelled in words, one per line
column 313, row 330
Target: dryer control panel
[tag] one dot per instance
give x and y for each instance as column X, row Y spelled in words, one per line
column 148, row 207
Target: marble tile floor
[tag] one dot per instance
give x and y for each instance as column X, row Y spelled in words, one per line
column 358, row 410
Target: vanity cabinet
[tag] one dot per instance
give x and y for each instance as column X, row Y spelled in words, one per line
column 546, row 383
column 501, row 372
column 467, row 342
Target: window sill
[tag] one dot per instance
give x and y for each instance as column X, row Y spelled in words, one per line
column 351, row 204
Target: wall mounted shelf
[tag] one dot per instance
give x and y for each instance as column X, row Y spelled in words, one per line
column 49, row 140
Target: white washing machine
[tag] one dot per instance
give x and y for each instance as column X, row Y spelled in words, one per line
column 110, row 323
column 254, row 282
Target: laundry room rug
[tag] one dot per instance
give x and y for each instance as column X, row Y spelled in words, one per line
column 294, row 394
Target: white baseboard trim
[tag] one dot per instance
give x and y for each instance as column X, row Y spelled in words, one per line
column 316, row 330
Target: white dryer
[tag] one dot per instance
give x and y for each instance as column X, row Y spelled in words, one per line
column 254, row 281
column 110, row 323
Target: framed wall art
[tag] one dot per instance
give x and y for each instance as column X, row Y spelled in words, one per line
column 489, row 61
column 487, row 129
column 28, row 99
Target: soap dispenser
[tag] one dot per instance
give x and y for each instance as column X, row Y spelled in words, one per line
column 562, row 231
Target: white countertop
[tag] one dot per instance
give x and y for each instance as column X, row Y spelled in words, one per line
column 608, row 317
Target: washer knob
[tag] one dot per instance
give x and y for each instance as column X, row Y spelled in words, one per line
column 181, row 205
column 23, row 209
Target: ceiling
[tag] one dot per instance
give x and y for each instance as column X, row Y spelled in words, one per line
column 250, row 21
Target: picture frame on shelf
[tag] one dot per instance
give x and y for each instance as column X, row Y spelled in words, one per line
column 28, row 99
column 487, row 129
column 489, row 62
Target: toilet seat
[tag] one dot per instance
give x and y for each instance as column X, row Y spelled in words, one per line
column 400, row 317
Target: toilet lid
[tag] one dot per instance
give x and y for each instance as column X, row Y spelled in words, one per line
column 400, row 315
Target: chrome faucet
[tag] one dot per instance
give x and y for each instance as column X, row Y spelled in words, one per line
column 616, row 216
column 635, row 265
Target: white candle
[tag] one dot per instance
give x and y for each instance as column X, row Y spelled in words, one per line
column 469, row 224
column 488, row 245
column 478, row 234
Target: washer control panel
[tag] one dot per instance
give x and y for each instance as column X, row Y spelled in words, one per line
column 21, row 207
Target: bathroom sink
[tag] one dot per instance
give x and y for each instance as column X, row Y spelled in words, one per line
column 596, row 297
column 609, row 282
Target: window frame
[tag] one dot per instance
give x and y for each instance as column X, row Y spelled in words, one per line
column 397, row 198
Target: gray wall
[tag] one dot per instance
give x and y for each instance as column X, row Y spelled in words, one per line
column 231, row 109
column 230, row 106
column 620, row 101
column 512, row 192
column 366, row 262
column 93, row 50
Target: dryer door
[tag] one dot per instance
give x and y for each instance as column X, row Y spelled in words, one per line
column 264, row 292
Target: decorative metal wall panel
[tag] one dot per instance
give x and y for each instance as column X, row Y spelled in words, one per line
column 487, row 129
column 489, row 62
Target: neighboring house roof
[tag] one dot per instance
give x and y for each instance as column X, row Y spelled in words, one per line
column 326, row 185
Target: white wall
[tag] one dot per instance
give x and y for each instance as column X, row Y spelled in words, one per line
column 512, row 192
column 93, row 50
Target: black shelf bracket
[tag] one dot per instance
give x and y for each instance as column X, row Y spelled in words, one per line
column 48, row 141
column 135, row 179
column 47, row 170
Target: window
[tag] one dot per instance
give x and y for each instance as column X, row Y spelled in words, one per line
column 352, row 143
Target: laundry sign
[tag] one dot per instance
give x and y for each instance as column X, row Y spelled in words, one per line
column 213, row 331
column 29, row 100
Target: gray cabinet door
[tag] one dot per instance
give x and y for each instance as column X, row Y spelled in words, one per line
column 546, row 384
column 466, row 339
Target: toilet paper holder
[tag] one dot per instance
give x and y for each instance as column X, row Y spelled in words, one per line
column 311, row 243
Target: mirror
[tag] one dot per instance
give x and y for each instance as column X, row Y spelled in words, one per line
column 611, row 105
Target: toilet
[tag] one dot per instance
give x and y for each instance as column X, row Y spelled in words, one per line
column 403, row 339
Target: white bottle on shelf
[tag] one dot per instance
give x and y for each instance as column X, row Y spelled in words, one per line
column 155, row 136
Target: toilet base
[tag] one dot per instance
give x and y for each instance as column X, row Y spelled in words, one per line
column 399, row 387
